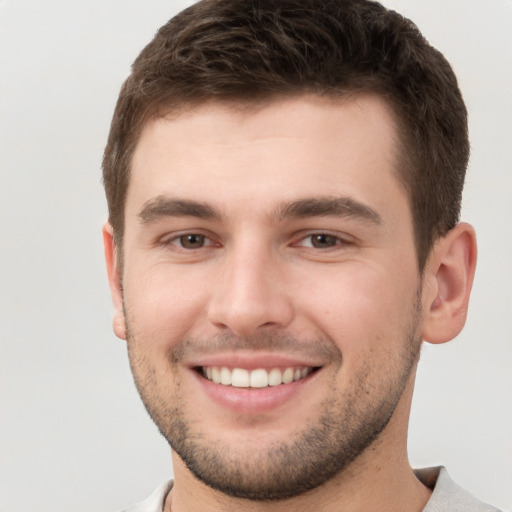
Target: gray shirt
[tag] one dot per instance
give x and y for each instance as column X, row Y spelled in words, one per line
column 446, row 495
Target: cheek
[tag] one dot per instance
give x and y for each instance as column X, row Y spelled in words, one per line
column 362, row 309
column 164, row 305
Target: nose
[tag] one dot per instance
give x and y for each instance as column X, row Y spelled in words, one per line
column 250, row 294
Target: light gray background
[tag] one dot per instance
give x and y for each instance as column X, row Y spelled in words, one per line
column 74, row 435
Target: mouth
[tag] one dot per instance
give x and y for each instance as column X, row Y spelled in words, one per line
column 256, row 383
column 256, row 378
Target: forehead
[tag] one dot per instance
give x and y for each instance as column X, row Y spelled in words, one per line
column 278, row 151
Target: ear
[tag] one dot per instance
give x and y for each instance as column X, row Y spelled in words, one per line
column 115, row 281
column 448, row 279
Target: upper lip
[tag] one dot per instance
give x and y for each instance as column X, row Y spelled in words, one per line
column 253, row 361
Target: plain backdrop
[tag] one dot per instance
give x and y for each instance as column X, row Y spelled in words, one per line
column 73, row 433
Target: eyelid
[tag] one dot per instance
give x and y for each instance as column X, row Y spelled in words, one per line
column 172, row 239
column 343, row 238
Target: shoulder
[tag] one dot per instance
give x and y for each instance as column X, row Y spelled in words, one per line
column 447, row 496
column 155, row 502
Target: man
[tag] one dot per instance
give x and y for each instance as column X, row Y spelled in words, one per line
column 284, row 181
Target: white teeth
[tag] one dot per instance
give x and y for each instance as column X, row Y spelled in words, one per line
column 259, row 378
column 215, row 375
column 225, row 376
column 240, row 378
column 274, row 377
column 288, row 376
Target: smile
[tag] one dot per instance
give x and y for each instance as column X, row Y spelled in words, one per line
column 258, row 378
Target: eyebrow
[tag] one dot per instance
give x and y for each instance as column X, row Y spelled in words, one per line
column 162, row 206
column 329, row 206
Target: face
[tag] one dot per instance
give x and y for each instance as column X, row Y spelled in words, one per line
column 270, row 289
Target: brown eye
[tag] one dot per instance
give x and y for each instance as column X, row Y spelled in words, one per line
column 323, row 241
column 192, row 241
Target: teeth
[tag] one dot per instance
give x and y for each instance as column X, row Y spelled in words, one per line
column 260, row 378
column 240, row 378
column 288, row 376
column 225, row 376
column 215, row 375
column 274, row 377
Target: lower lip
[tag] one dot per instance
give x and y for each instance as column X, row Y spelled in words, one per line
column 252, row 400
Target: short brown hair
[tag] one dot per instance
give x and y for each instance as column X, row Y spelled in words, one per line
column 253, row 50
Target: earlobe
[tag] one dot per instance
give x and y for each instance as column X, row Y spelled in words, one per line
column 447, row 282
column 115, row 282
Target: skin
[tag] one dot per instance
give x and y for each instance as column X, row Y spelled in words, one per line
column 258, row 288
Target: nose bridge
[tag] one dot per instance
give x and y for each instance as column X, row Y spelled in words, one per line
column 250, row 292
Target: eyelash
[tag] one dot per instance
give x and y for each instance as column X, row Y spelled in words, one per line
column 336, row 238
column 178, row 241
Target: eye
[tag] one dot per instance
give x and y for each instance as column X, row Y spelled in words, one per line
column 189, row 241
column 321, row 241
column 188, row 246
column 192, row 241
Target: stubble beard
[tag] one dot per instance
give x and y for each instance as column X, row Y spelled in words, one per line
column 350, row 422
